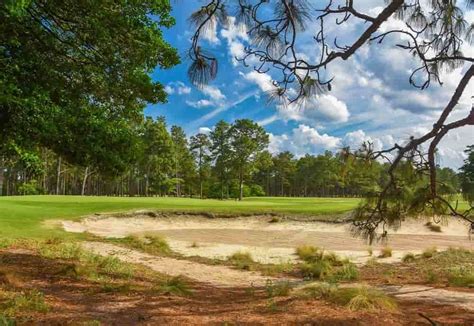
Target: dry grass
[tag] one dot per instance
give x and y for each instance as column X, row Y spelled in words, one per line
column 386, row 252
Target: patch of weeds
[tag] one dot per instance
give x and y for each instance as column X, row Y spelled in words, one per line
column 175, row 285
column 431, row 276
column 272, row 306
column 150, row 244
column 5, row 243
column 362, row 298
column 408, row 258
column 114, row 266
column 274, row 220
column 91, row 323
column 109, row 287
column 385, row 252
column 309, row 253
column 68, row 250
column 347, row 272
column 29, row 301
column 319, row 291
column 316, row 270
column 461, row 276
column 370, row 251
column 242, row 260
column 433, row 227
column 429, row 252
column 277, row 289
column 276, row 269
column 7, row 321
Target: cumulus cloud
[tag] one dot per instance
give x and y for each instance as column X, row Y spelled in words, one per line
column 303, row 139
column 199, row 104
column 205, row 130
column 177, row 87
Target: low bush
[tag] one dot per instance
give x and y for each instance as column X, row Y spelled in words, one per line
column 408, row 258
column 385, row 252
column 277, row 289
column 29, row 301
column 309, row 253
column 461, row 276
column 429, row 253
column 433, row 227
column 175, row 285
column 242, row 260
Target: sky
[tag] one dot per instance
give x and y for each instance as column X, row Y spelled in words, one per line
column 371, row 98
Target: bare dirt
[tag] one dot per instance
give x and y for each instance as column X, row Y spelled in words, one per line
column 269, row 242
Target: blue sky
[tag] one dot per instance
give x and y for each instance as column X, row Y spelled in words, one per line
column 371, row 97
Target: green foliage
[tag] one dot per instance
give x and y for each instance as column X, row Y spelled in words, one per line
column 462, row 276
column 429, row 252
column 408, row 258
column 79, row 86
column 175, row 285
column 241, row 260
column 385, row 252
column 354, row 298
column 151, row 244
column 277, row 289
column 467, row 175
column 28, row 301
column 29, row 188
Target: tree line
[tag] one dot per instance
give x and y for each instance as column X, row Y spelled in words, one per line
column 231, row 161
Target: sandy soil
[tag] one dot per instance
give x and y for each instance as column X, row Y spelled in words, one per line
column 269, row 242
column 216, row 275
column 222, row 276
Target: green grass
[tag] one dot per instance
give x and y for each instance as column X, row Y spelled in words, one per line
column 22, row 216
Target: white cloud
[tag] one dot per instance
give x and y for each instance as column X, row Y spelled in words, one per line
column 264, row 81
column 205, row 130
column 177, row 87
column 200, row 104
column 303, row 139
column 214, row 93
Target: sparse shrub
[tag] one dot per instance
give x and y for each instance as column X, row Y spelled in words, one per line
column 408, row 258
column 348, row 272
column 431, row 276
column 370, row 251
column 151, row 244
column 68, row 250
column 385, row 252
column 277, row 289
column 362, row 298
column 194, row 245
column 7, row 321
column 242, row 260
column 429, row 252
column 354, row 298
column 317, row 269
column 276, row 269
column 114, row 266
column 433, row 227
column 309, row 253
column 30, row 301
column 274, row 220
column 461, row 276
column 175, row 285
column 30, row 188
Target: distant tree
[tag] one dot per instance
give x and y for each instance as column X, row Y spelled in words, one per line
column 157, row 160
column 183, row 160
column 247, row 139
column 467, row 175
column 285, row 169
column 221, row 154
column 200, row 146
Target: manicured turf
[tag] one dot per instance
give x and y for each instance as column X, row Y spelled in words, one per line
column 23, row 216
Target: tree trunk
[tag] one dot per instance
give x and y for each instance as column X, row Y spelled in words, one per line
column 58, row 175
column 84, row 181
column 241, row 186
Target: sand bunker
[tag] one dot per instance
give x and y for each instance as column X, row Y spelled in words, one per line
column 193, row 235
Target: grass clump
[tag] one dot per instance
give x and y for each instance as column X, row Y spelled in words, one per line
column 309, row 253
column 277, row 289
column 429, row 252
column 408, row 258
column 461, row 276
column 385, row 252
column 353, row 298
column 150, row 244
column 242, row 260
column 7, row 321
column 175, row 285
column 23, row 302
column 433, row 227
column 322, row 265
